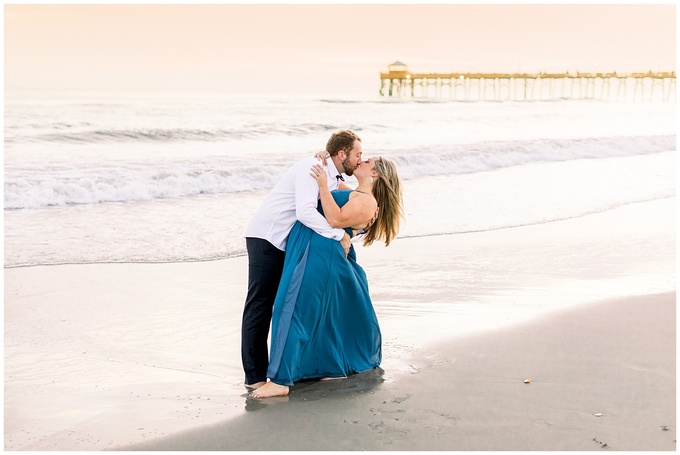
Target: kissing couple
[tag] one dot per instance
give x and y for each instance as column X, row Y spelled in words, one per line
column 303, row 275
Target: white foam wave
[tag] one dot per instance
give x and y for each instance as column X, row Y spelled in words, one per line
column 67, row 187
column 140, row 182
column 486, row 156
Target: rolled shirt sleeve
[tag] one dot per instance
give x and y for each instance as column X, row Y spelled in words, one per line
column 306, row 201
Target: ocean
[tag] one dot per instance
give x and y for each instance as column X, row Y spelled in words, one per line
column 176, row 177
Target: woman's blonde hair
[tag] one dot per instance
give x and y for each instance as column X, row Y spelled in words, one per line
column 388, row 192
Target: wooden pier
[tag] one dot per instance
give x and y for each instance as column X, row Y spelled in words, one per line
column 398, row 81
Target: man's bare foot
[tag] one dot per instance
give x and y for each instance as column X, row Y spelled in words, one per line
column 255, row 386
column 270, row 389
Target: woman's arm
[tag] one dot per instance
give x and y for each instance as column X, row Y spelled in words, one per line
column 357, row 212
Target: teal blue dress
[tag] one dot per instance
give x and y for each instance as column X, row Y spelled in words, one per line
column 323, row 324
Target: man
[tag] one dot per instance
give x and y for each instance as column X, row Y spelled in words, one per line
column 294, row 198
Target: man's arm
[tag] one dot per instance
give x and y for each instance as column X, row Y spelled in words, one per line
column 306, row 200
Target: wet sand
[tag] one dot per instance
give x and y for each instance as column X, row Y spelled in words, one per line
column 602, row 377
column 106, row 356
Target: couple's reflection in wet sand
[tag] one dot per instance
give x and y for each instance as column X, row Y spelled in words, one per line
column 289, row 415
column 317, row 389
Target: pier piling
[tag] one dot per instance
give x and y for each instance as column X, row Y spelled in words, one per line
column 399, row 81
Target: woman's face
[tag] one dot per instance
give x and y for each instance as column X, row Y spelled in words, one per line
column 366, row 168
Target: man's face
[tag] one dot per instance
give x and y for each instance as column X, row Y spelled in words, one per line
column 352, row 159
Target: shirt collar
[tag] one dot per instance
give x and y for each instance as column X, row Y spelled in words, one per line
column 332, row 170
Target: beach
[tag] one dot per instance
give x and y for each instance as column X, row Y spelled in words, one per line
column 601, row 378
column 146, row 356
column 527, row 301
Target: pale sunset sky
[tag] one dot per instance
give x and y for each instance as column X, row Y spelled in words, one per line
column 320, row 48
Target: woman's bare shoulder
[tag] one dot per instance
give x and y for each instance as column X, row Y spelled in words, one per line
column 363, row 197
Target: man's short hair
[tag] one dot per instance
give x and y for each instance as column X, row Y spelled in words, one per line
column 341, row 140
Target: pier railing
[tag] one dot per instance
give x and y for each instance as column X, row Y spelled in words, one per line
column 611, row 86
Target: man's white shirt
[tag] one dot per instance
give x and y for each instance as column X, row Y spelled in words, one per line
column 295, row 197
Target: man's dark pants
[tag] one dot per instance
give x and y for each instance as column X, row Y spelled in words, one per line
column 265, row 265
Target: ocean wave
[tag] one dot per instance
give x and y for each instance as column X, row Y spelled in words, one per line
column 487, row 156
column 127, row 184
column 60, row 133
column 35, row 188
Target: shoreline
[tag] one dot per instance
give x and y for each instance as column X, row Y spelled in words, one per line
column 602, row 377
column 244, row 253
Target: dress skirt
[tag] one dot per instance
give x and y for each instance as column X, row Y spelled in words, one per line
column 323, row 324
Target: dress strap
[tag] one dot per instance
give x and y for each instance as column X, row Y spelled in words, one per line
column 359, row 191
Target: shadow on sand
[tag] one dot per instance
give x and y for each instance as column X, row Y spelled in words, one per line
column 314, row 389
column 305, row 399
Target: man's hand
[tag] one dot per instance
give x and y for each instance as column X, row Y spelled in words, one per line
column 346, row 242
column 322, row 156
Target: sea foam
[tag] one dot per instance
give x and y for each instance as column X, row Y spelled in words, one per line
column 143, row 181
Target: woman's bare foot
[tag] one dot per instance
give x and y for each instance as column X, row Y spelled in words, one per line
column 270, row 389
column 255, row 386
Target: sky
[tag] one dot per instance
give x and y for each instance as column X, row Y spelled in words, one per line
column 319, row 48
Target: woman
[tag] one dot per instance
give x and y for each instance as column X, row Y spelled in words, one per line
column 324, row 325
